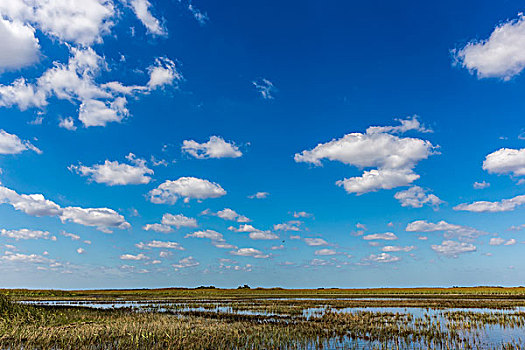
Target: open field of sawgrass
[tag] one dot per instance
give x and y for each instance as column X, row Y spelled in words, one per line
column 517, row 293
column 263, row 319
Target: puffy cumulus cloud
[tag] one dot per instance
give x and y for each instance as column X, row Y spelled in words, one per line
column 217, row 239
column 251, row 252
column 210, row 234
column 502, row 55
column 101, row 218
column 178, row 220
column 18, row 45
column 263, row 235
column 141, row 8
column 254, row 233
column 81, row 251
column 314, row 242
column 416, row 197
column 265, row 88
column 450, row 230
column 500, row 241
column 480, row 185
column 391, row 248
column 185, row 263
column 492, row 207
column 158, row 228
column 160, row 244
column 453, row 248
column 99, row 104
column 78, row 22
column 325, row 252
column 506, row 161
column 387, row 236
column 11, row 144
column 115, row 173
column 382, row 258
column 187, row 188
column 137, row 257
column 216, row 147
column 163, row 73
column 67, row 123
column 392, row 158
column 228, row 214
column 26, row 234
column 288, row 226
column 32, row 204
column 27, row 258
column 36, row 205
column 259, row 195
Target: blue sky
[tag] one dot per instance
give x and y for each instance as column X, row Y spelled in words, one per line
column 296, row 144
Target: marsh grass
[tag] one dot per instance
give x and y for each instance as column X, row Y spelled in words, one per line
column 274, row 324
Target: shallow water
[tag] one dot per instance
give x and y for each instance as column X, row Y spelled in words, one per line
column 485, row 336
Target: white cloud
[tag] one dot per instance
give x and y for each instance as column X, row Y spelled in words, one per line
column 26, row 234
column 75, row 82
column 416, row 197
column 252, row 252
column 115, row 173
column 83, row 23
column 262, row 235
column 254, row 233
column 265, row 88
column 480, row 185
column 302, row 214
column 500, row 241
column 325, row 252
column 408, row 124
column 158, row 228
column 73, row 236
column 37, row 205
column 213, row 235
column 383, row 258
column 18, row 45
column 232, row 215
column 102, row 218
column 81, row 250
column 186, row 262
column 178, row 220
column 259, row 195
column 506, row 161
column 133, row 257
column 187, row 188
column 314, row 242
column 201, row 17
column 502, row 55
column 492, row 207
column 288, row 226
column 163, row 72
column 451, row 230
column 26, row 259
column 67, row 123
column 453, row 248
column 160, row 244
column 393, row 158
column 216, row 147
column 391, row 248
column 387, row 236
column 11, row 144
column 143, row 13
